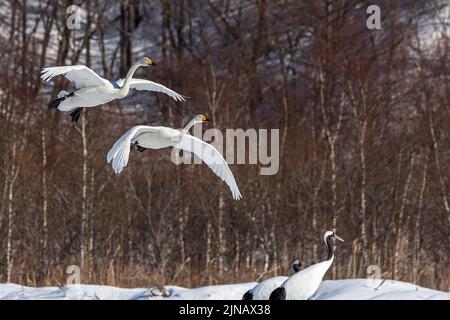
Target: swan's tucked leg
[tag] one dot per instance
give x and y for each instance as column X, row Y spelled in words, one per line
column 75, row 114
column 139, row 148
column 136, row 146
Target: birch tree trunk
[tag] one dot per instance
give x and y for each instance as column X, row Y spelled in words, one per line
column 416, row 257
column 214, row 94
column 221, row 229
column 361, row 123
column 437, row 160
column 44, row 240
column 84, row 187
column 400, row 241
column 12, row 178
column 208, row 250
column 331, row 136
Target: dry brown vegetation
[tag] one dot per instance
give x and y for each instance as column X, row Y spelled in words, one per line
column 364, row 118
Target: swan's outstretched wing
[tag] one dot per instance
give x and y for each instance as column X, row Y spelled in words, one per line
column 81, row 75
column 120, row 151
column 142, row 84
column 215, row 161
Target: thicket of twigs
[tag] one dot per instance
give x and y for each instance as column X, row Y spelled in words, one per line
column 364, row 142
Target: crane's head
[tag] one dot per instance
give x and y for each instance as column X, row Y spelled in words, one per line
column 297, row 265
column 331, row 234
column 146, row 62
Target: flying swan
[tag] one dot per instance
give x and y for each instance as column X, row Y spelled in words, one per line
column 146, row 137
column 92, row 90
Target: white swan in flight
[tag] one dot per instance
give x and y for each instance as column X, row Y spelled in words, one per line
column 303, row 284
column 146, row 137
column 92, row 90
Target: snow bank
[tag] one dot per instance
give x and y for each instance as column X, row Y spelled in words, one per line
column 362, row 289
column 352, row 289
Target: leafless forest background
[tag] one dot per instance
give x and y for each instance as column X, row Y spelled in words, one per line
column 364, row 119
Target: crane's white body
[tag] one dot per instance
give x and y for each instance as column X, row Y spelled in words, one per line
column 303, row 284
column 263, row 289
column 162, row 137
column 93, row 90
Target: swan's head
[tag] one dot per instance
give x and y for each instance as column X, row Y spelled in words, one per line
column 146, row 62
column 200, row 118
column 331, row 234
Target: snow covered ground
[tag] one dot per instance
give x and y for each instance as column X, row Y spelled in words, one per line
column 353, row 289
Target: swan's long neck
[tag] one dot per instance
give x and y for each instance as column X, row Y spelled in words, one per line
column 330, row 248
column 187, row 128
column 130, row 74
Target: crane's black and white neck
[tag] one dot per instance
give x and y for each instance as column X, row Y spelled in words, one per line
column 327, row 236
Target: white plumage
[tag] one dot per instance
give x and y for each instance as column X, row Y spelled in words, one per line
column 159, row 137
column 303, row 284
column 80, row 75
column 93, row 90
column 263, row 289
column 142, row 84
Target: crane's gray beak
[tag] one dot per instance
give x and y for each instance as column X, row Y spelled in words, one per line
column 338, row 238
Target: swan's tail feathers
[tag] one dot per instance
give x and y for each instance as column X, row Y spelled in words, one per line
column 76, row 113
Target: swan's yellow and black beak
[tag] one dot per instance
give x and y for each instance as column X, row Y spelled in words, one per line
column 203, row 118
column 150, row 62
